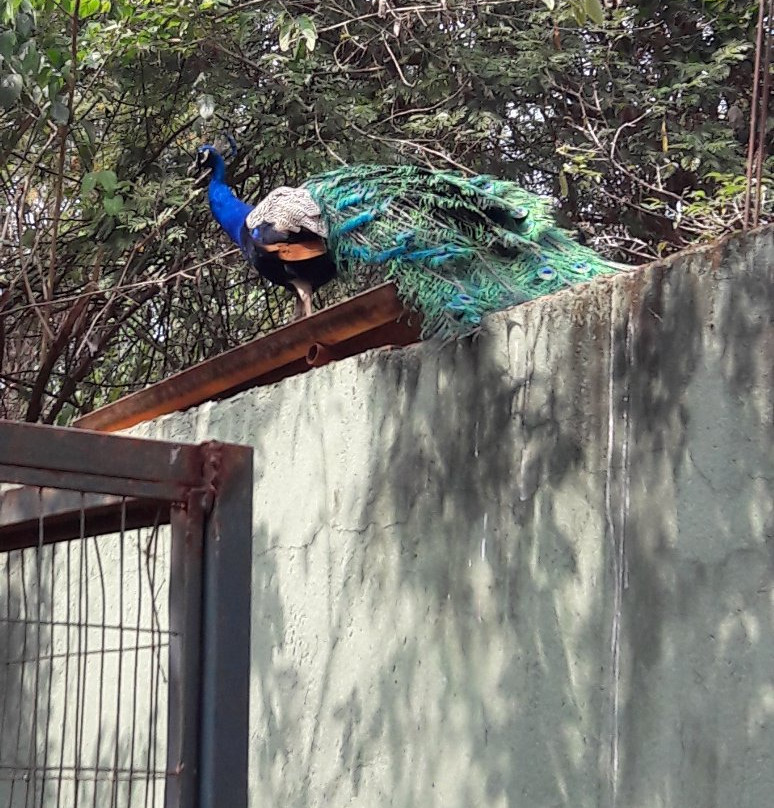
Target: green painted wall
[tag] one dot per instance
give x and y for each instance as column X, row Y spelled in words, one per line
column 531, row 571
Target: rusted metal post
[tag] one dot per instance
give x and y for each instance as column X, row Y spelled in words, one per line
column 226, row 630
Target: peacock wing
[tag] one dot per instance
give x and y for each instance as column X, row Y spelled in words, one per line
column 288, row 210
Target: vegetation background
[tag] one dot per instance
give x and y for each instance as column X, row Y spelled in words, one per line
column 633, row 115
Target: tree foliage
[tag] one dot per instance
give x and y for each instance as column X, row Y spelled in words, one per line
column 634, row 116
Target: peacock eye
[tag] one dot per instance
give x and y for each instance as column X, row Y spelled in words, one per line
column 546, row 273
column 520, row 214
column 581, row 267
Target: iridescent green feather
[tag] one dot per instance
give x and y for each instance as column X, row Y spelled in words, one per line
column 457, row 247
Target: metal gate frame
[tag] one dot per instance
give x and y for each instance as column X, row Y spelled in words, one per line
column 205, row 493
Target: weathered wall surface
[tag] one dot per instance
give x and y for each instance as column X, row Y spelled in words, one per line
column 533, row 570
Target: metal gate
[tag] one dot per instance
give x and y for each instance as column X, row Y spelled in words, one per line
column 124, row 620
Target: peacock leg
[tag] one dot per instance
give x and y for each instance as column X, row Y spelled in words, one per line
column 304, row 300
column 298, row 310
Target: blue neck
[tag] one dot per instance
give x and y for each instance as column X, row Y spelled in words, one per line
column 229, row 212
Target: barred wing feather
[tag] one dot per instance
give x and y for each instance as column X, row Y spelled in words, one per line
column 288, row 210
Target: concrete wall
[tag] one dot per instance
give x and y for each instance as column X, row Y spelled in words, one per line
column 533, row 570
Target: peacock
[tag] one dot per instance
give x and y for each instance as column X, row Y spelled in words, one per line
column 457, row 247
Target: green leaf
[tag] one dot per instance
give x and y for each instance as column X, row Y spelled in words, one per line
column 113, row 205
column 286, row 32
column 30, row 58
column 54, row 86
column 10, row 90
column 7, row 44
column 595, row 11
column 88, row 8
column 90, row 131
column 44, row 77
column 57, row 56
column 88, row 183
column 24, row 25
column 107, row 179
column 308, row 31
column 59, row 112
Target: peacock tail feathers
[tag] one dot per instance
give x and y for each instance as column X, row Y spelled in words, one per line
column 457, row 247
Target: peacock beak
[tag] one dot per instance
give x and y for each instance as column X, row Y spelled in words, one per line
column 199, row 171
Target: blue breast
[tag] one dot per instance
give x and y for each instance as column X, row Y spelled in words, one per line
column 229, row 212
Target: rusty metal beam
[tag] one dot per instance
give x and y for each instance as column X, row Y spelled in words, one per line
column 267, row 359
column 397, row 334
column 74, row 481
column 55, row 457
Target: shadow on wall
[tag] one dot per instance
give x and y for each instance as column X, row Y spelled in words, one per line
column 549, row 584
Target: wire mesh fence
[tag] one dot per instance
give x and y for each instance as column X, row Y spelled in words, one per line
column 84, row 670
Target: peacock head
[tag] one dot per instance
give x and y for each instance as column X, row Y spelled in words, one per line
column 207, row 158
column 210, row 160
